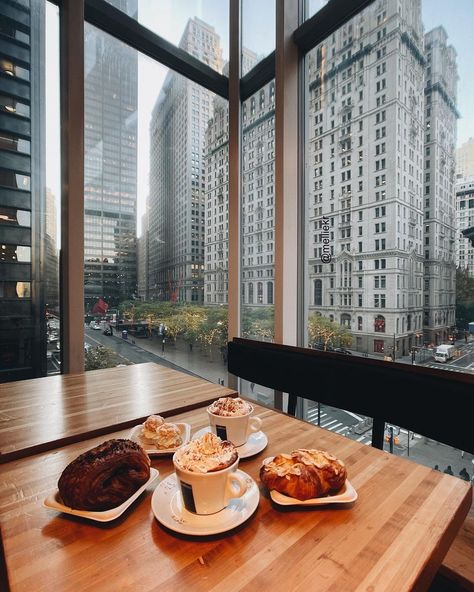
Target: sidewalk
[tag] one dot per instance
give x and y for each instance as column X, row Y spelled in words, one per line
column 207, row 365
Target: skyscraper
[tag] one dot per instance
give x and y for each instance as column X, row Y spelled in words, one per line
column 110, row 185
column 22, row 190
column 176, row 204
column 365, row 178
column 439, row 186
column 465, row 160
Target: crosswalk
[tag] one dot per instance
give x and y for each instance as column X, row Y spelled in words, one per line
column 334, row 425
column 450, row 368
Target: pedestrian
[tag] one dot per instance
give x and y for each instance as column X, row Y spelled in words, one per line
column 448, row 470
column 436, row 467
column 464, row 474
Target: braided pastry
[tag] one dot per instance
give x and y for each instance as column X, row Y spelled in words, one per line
column 304, row 474
column 105, row 476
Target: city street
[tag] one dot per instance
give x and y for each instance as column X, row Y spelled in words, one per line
column 462, row 363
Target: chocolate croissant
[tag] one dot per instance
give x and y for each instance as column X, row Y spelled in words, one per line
column 105, row 476
column 304, row 474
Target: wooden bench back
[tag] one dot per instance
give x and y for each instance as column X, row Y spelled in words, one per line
column 434, row 403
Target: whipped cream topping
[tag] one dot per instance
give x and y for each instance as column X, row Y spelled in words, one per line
column 206, row 454
column 161, row 434
column 151, row 425
column 228, row 406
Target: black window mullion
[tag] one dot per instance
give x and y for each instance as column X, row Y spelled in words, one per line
column 327, row 20
column 259, row 75
column 118, row 24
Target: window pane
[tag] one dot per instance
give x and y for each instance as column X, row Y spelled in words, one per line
column 199, row 27
column 312, row 7
column 258, row 220
column 388, row 269
column 156, row 222
column 29, row 173
column 255, row 45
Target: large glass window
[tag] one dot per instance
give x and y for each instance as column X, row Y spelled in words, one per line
column 29, row 191
column 156, row 212
column 388, row 167
column 199, row 27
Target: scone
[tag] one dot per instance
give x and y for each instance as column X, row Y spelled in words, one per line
column 304, row 474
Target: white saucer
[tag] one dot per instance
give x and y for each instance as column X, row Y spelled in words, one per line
column 54, row 502
column 346, row 495
column 167, row 506
column 255, row 443
column 184, row 428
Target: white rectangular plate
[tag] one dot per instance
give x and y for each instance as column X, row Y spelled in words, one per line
column 134, row 435
column 53, row 501
column 347, row 495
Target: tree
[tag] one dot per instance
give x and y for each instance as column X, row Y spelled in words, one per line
column 322, row 330
column 99, row 357
column 464, row 297
column 258, row 322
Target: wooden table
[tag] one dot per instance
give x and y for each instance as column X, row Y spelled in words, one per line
column 45, row 413
column 392, row 539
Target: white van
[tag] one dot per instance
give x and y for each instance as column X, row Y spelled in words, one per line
column 444, row 353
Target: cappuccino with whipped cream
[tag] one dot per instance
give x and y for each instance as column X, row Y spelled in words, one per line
column 206, row 473
column 230, row 419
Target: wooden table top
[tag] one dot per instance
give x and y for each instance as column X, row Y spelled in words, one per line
column 45, row 413
column 393, row 538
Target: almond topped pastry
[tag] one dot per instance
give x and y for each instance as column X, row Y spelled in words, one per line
column 304, row 474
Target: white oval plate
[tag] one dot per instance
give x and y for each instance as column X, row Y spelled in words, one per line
column 346, row 495
column 256, row 443
column 184, row 428
column 53, row 501
column 167, row 506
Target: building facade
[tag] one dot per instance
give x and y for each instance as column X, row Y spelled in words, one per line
column 439, row 187
column 176, row 204
column 23, row 212
column 110, row 184
column 464, row 221
column 465, row 160
column 364, row 183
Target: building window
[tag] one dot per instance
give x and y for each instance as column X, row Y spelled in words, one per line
column 379, row 346
column 318, row 292
column 379, row 324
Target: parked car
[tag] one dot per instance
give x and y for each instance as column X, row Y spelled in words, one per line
column 94, row 325
column 343, row 350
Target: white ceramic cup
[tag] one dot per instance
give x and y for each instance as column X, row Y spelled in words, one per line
column 209, row 493
column 236, row 428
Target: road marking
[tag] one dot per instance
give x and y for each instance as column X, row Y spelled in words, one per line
column 335, row 426
column 325, row 425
